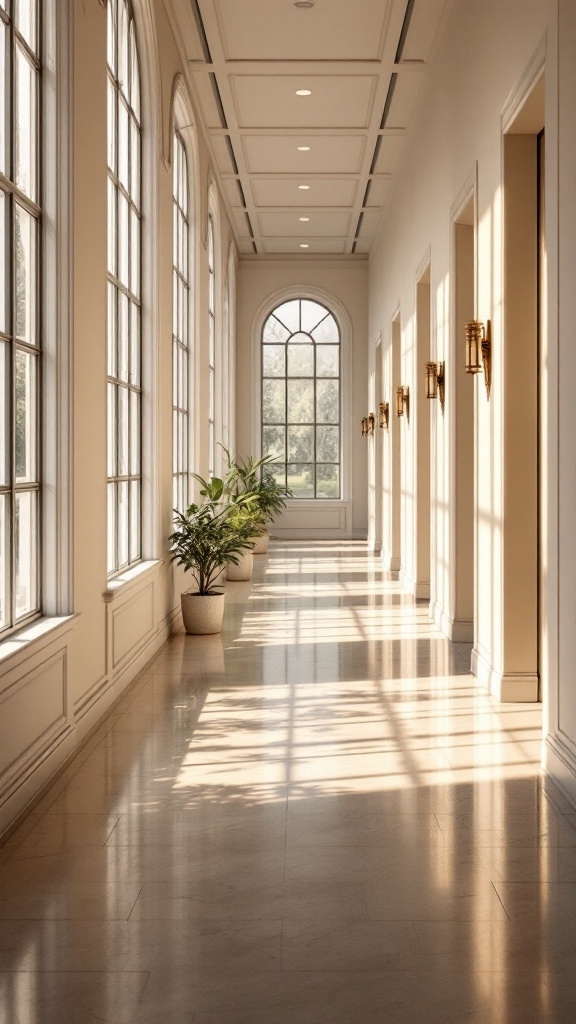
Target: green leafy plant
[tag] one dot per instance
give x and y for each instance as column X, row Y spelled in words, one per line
column 205, row 539
column 252, row 477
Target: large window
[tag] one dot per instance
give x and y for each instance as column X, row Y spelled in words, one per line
column 211, row 349
column 180, row 327
column 124, row 298
column 301, row 397
column 20, row 320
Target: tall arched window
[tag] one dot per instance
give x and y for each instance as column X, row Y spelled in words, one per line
column 180, row 326
column 301, row 397
column 211, row 349
column 124, row 297
column 21, row 326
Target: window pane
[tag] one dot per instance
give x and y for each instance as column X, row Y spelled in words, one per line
column 134, row 73
column 274, row 361
column 289, row 315
column 278, row 471
column 327, row 401
column 312, row 314
column 112, row 220
column 135, row 162
column 4, row 263
column 5, row 414
column 327, row 332
column 25, row 416
column 274, row 331
column 273, row 442
column 135, row 253
column 122, row 525
column 111, row 127
column 26, row 549
column 135, row 539
column 123, row 142
column 123, row 339
column 301, row 480
column 5, row 560
column 112, row 433
column 27, row 21
column 122, row 431
column 135, row 345
column 4, row 101
column 327, row 444
column 273, row 401
column 300, row 401
column 300, row 360
column 26, row 131
column 25, row 265
column 327, row 481
column 134, row 433
column 111, row 527
column 301, row 444
column 123, row 239
column 112, row 35
column 328, row 360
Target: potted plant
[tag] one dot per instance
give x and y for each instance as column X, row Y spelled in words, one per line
column 204, row 540
column 252, row 477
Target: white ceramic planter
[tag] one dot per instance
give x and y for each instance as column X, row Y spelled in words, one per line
column 202, row 613
column 242, row 571
column 261, row 544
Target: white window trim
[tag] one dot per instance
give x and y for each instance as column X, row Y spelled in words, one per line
column 345, row 324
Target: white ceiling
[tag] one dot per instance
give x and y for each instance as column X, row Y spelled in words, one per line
column 364, row 62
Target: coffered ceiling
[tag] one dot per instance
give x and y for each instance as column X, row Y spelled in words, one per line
column 306, row 174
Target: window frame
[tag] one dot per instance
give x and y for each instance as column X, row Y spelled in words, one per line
column 212, row 344
column 181, row 348
column 315, row 378
column 131, row 192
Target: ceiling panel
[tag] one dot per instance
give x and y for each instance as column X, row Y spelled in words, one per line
column 232, row 192
column 363, row 245
column 285, row 192
column 240, row 219
column 222, row 154
column 286, row 224
column 423, row 25
column 389, row 153
column 408, row 86
column 277, row 154
column 317, row 245
column 265, row 101
column 379, row 188
column 369, row 223
column 331, row 30
column 209, row 107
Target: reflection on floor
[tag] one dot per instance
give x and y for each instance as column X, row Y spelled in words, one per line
column 315, row 818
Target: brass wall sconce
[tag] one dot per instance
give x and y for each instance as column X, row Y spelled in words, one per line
column 402, row 400
column 364, row 426
column 479, row 350
column 371, row 424
column 435, row 382
column 384, row 414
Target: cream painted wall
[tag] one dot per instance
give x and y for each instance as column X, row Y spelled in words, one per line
column 456, row 143
column 259, row 282
column 62, row 676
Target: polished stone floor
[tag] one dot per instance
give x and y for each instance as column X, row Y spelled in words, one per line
column 315, row 818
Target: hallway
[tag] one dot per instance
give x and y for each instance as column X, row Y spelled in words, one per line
column 317, row 817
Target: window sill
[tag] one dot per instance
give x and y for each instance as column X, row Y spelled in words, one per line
column 25, row 642
column 119, row 585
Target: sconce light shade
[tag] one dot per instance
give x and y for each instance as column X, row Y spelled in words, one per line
column 435, row 382
column 402, row 399
column 371, row 423
column 364, row 426
column 384, row 414
column 479, row 350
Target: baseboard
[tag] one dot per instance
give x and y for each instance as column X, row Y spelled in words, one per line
column 390, row 562
column 559, row 762
column 420, row 591
column 507, row 687
column 459, row 631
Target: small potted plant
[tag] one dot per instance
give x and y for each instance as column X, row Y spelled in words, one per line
column 253, row 478
column 204, row 540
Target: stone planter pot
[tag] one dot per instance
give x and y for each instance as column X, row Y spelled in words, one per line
column 202, row 613
column 261, row 544
column 242, row 571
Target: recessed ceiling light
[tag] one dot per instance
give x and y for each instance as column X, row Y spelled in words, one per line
column 304, row 219
column 304, row 3
column 303, row 149
column 304, row 187
column 303, row 92
column 304, row 245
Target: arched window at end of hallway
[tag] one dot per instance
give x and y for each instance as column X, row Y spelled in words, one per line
column 301, row 404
